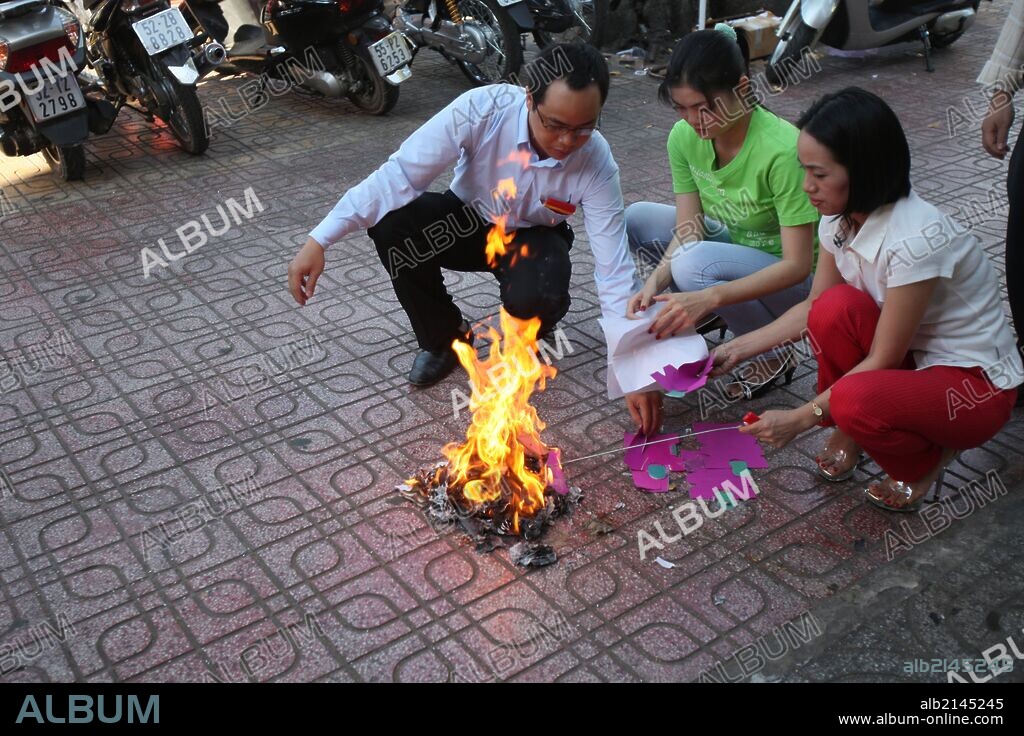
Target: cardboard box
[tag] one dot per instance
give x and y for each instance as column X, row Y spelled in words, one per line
column 759, row 29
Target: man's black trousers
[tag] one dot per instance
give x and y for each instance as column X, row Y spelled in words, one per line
column 437, row 231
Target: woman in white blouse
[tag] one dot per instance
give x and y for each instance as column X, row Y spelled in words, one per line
column 916, row 360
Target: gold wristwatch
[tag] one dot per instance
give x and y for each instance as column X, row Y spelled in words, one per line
column 817, row 411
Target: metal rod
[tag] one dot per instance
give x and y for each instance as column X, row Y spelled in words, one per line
column 644, row 444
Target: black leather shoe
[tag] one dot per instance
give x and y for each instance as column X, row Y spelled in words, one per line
column 428, row 368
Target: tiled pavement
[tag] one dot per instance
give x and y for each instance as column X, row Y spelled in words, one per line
column 110, row 438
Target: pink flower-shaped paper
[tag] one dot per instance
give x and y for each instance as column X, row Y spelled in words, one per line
column 719, row 450
column 723, row 447
column 660, row 449
column 685, row 377
column 558, row 481
column 643, row 480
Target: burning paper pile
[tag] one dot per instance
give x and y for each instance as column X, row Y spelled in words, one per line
column 502, row 480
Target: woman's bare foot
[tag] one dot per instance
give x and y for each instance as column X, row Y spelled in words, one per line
column 894, row 494
column 840, row 456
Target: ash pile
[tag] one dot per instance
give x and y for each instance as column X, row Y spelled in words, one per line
column 490, row 524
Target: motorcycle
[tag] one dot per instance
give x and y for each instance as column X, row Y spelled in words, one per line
column 50, row 113
column 569, row 21
column 146, row 56
column 337, row 48
column 868, row 24
column 480, row 36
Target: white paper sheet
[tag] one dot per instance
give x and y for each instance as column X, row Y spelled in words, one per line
column 634, row 354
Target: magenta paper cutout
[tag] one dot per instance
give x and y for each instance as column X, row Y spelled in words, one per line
column 693, row 460
column 703, row 482
column 686, row 377
column 658, row 450
column 558, row 482
column 706, row 469
column 719, row 448
column 645, row 482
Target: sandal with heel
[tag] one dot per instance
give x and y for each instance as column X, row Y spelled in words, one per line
column 837, row 457
column 874, row 493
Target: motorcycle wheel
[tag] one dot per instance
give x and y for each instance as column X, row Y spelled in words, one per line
column 790, row 52
column 186, row 119
column 506, row 56
column 377, row 97
column 67, row 162
column 591, row 22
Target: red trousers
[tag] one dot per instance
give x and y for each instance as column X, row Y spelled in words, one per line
column 903, row 418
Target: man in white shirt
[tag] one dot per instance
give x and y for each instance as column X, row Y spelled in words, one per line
column 544, row 140
column 1003, row 75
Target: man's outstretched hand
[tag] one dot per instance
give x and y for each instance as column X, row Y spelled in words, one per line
column 304, row 270
column 646, row 409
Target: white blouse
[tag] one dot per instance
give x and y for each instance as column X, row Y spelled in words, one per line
column 911, row 241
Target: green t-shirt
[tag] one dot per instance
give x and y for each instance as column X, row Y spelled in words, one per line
column 757, row 192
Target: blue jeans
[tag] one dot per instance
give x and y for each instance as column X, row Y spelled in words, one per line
column 707, row 263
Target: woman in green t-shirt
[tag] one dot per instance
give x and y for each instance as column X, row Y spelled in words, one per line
column 740, row 241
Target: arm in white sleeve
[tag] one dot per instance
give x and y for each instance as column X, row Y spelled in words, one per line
column 422, row 157
column 1008, row 55
column 605, row 223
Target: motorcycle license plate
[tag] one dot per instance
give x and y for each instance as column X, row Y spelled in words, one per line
column 162, row 31
column 58, row 96
column 390, row 53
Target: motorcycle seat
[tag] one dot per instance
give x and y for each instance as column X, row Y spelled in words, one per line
column 248, row 40
column 18, row 8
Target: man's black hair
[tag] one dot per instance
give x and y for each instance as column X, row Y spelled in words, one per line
column 578, row 65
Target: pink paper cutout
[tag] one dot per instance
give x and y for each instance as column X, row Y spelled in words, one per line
column 713, row 465
column 719, row 448
column 645, row 482
column 658, row 451
column 634, row 457
column 686, row 377
column 703, row 482
column 558, row 481
column 706, row 469
column 693, row 460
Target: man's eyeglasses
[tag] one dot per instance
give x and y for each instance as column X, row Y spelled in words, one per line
column 583, row 132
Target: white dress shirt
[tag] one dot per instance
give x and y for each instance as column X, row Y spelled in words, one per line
column 1007, row 60
column 485, row 133
column 910, row 241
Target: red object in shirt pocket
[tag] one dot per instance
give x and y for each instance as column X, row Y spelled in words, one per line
column 562, row 208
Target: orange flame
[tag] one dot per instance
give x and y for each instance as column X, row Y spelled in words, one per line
column 497, row 238
column 504, row 428
column 519, row 156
